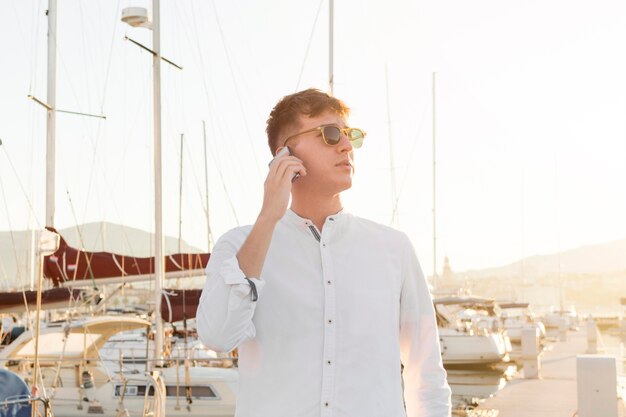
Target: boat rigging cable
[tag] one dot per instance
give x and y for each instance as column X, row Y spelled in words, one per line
column 195, row 32
column 207, row 96
column 82, row 245
column 237, row 93
column 6, row 207
column 411, row 155
column 94, row 163
column 32, row 83
column 308, row 46
column 195, row 176
column 30, row 205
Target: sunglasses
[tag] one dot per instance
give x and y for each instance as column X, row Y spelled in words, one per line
column 332, row 135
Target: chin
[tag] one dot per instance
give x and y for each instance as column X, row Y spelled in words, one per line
column 345, row 185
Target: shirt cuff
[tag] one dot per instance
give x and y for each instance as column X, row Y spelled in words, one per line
column 234, row 276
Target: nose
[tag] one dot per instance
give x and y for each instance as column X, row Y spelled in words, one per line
column 344, row 143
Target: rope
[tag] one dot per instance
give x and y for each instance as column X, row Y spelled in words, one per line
column 108, row 70
column 169, row 304
column 209, row 105
column 195, row 176
column 6, row 207
column 35, row 28
column 232, row 73
column 158, row 407
column 82, row 246
column 308, row 47
column 177, row 407
column 32, row 210
column 406, row 172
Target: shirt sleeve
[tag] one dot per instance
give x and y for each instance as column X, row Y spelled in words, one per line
column 226, row 308
column 426, row 390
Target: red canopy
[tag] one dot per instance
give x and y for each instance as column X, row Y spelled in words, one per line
column 177, row 305
column 15, row 302
column 68, row 264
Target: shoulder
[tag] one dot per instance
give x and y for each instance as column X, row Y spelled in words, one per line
column 384, row 237
column 379, row 231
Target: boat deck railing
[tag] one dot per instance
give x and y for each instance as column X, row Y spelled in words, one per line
column 23, row 401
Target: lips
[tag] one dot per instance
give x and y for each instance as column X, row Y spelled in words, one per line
column 344, row 163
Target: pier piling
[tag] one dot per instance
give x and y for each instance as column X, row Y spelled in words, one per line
column 596, row 386
column 530, row 353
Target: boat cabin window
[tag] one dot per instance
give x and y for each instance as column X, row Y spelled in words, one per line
column 204, row 391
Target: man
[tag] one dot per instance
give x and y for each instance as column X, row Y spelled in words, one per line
column 324, row 306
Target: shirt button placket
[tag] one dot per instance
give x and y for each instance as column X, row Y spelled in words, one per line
column 329, row 328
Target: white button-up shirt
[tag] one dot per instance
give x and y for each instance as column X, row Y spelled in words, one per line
column 337, row 314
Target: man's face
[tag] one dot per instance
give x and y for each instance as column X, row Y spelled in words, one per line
column 329, row 168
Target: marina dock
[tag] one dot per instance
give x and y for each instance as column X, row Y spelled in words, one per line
column 554, row 394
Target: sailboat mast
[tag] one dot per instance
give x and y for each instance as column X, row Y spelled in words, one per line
column 206, row 187
column 395, row 222
column 51, row 112
column 180, row 197
column 159, row 265
column 331, row 41
column 434, row 187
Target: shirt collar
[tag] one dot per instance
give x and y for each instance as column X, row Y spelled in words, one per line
column 292, row 218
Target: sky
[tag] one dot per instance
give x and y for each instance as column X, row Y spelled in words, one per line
column 529, row 116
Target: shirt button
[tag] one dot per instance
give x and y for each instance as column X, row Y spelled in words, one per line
column 326, row 404
column 329, row 282
column 323, row 245
column 330, row 321
column 328, row 362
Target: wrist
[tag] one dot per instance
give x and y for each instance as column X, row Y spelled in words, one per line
column 266, row 220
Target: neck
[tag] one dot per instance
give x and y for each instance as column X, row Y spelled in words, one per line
column 315, row 208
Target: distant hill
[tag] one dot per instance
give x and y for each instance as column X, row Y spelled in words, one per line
column 592, row 259
column 103, row 236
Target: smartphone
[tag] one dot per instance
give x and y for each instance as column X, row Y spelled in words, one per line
column 284, row 152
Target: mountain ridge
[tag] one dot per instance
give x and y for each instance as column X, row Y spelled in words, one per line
column 599, row 258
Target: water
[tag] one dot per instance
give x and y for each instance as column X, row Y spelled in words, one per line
column 472, row 385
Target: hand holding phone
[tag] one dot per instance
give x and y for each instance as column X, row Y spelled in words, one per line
column 284, row 152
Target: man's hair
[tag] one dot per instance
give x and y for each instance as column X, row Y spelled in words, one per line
column 311, row 103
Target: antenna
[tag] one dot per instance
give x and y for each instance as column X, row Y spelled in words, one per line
column 434, row 186
column 395, row 221
column 331, row 41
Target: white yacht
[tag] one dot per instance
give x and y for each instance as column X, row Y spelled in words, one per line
column 518, row 316
column 78, row 383
column 555, row 316
column 466, row 337
column 472, row 384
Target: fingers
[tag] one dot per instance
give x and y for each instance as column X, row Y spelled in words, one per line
column 278, row 185
column 286, row 168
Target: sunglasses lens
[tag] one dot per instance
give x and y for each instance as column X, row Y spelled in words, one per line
column 332, row 134
column 356, row 137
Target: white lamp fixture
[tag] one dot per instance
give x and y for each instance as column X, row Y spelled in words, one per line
column 136, row 17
